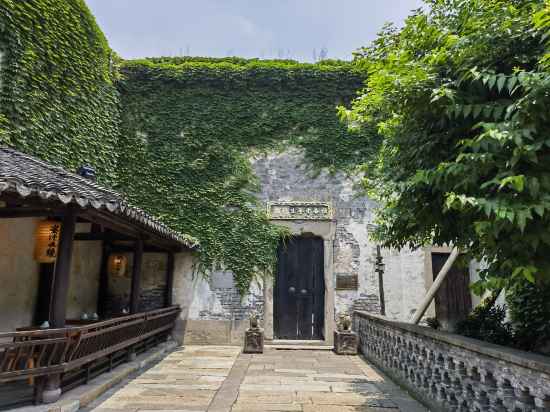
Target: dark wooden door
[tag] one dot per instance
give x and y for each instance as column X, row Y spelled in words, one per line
column 299, row 298
column 453, row 301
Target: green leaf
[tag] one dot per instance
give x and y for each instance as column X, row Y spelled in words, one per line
column 491, row 82
column 512, row 81
column 501, row 82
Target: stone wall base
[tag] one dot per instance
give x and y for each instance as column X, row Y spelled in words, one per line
column 215, row 332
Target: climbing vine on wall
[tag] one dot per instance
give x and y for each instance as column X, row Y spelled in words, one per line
column 189, row 126
column 57, row 98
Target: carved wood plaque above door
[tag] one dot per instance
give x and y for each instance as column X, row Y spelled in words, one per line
column 299, row 211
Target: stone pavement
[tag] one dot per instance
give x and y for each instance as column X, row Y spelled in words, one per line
column 220, row 379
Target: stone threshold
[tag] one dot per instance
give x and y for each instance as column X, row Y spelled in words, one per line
column 83, row 395
column 287, row 344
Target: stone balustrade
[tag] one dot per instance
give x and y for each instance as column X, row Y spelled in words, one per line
column 453, row 373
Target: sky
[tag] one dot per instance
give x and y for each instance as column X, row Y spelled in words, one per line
column 295, row 29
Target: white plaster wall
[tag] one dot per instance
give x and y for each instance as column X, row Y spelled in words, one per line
column 404, row 282
column 18, row 273
column 84, row 279
column 153, row 269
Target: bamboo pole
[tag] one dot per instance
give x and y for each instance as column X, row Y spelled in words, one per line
column 435, row 286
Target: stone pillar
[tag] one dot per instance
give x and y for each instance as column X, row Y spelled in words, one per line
column 330, row 323
column 268, row 307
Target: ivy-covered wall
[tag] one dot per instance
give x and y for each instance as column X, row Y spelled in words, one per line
column 188, row 128
column 190, row 125
column 57, row 97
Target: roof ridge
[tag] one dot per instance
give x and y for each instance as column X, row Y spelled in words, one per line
column 62, row 171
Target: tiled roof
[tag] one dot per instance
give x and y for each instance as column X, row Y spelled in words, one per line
column 27, row 176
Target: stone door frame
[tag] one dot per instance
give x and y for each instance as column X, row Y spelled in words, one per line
column 325, row 229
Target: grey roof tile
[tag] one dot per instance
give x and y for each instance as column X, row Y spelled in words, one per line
column 28, row 176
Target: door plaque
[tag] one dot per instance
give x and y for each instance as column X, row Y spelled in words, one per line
column 299, row 211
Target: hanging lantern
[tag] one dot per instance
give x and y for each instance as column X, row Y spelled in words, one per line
column 47, row 241
column 117, row 265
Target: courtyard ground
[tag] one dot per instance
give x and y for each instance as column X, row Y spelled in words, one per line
column 217, row 379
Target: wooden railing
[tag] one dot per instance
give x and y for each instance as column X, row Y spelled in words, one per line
column 43, row 352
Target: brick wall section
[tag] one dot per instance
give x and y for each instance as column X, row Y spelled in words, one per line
column 453, row 373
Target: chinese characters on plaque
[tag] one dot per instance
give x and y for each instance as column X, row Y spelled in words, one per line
column 299, row 211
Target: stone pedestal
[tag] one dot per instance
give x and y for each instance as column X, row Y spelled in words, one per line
column 50, row 389
column 254, row 341
column 345, row 342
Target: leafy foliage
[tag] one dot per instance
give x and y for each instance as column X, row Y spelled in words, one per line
column 57, row 98
column 433, row 323
column 459, row 99
column 529, row 306
column 487, row 323
column 190, row 126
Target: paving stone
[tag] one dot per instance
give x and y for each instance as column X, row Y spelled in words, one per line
column 220, row 379
column 306, row 387
column 350, row 399
column 254, row 407
column 354, row 387
column 266, row 397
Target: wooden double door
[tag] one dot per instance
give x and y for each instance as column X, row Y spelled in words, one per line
column 299, row 293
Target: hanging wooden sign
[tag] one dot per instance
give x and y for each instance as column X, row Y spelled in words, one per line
column 47, row 241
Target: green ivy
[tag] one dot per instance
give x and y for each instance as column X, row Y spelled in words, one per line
column 57, row 98
column 190, row 126
column 174, row 134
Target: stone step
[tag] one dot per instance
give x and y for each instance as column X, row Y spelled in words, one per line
column 287, row 344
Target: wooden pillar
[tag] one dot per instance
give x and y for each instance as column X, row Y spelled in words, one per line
column 136, row 277
column 62, row 269
column 44, row 296
column 169, row 279
column 103, row 291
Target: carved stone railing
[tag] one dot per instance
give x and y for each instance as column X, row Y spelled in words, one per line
column 452, row 373
column 30, row 354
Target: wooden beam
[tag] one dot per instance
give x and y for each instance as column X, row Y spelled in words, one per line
column 111, row 222
column 169, row 279
column 110, row 236
column 20, row 212
column 146, row 249
column 62, row 269
column 118, row 225
column 136, row 277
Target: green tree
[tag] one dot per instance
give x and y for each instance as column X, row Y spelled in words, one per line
column 459, row 99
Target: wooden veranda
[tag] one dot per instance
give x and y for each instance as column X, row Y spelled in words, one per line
column 65, row 352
